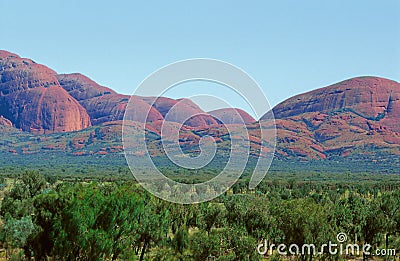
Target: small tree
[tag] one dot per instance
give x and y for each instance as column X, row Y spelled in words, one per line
column 16, row 233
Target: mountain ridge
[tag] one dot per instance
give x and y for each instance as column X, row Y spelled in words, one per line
column 360, row 115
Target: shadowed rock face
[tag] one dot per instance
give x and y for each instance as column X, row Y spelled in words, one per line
column 81, row 87
column 112, row 108
column 33, row 100
column 102, row 103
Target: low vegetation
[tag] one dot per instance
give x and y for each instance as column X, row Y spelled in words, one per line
column 44, row 217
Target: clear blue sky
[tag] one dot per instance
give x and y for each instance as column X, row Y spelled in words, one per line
column 288, row 47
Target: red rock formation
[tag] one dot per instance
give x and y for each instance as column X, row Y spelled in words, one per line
column 31, row 97
column 342, row 119
column 81, row 87
column 232, row 116
column 183, row 111
column 102, row 103
column 372, row 98
column 348, row 117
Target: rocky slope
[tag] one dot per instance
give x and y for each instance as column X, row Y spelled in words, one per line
column 33, row 100
column 182, row 111
column 102, row 103
column 359, row 116
column 356, row 116
column 232, row 116
column 371, row 98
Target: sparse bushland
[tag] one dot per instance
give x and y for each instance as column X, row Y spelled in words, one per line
column 62, row 219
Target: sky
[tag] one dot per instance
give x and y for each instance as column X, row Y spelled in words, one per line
column 288, row 47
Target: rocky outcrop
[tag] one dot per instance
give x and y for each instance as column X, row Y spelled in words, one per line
column 359, row 115
column 112, row 108
column 356, row 116
column 371, row 98
column 102, row 103
column 181, row 111
column 81, row 87
column 232, row 116
column 33, row 100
